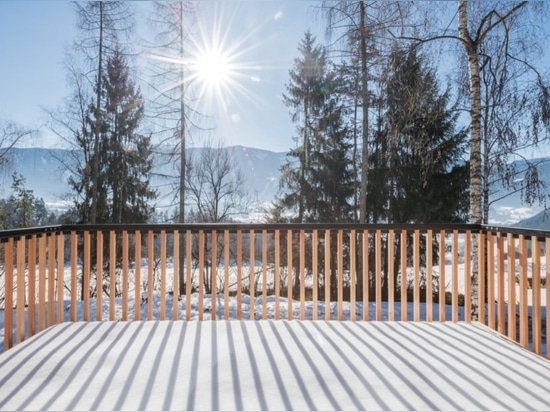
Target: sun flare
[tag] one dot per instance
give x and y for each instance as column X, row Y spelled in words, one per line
column 213, row 69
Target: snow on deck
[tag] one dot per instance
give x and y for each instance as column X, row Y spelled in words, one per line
column 272, row 365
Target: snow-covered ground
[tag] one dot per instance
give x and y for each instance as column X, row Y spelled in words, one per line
column 245, row 309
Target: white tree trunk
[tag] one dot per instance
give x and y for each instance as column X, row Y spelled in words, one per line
column 475, row 142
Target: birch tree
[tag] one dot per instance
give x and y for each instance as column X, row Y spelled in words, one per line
column 510, row 22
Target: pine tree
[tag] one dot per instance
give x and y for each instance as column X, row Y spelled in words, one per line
column 127, row 153
column 124, row 154
column 419, row 149
column 305, row 96
column 318, row 185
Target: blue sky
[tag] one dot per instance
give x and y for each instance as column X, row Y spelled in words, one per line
column 35, row 34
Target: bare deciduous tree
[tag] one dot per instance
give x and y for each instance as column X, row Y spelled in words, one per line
column 11, row 134
column 215, row 185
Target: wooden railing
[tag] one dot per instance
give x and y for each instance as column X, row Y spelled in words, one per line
column 258, row 271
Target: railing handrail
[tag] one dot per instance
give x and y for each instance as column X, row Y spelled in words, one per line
column 516, row 231
column 158, row 227
column 29, row 231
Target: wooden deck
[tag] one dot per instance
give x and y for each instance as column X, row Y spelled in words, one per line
column 272, row 365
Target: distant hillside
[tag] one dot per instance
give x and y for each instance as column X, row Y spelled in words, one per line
column 540, row 221
column 507, row 208
column 261, row 169
column 45, row 176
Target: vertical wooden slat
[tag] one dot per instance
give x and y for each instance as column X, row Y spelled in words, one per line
column 500, row 273
column 442, row 280
column 137, row 276
column 51, row 280
column 213, row 273
column 201, row 274
column 535, row 290
column 378, row 274
column 21, row 291
column 289, row 273
column 176, row 275
column 429, row 275
column 416, row 270
column 226, row 274
column 162, row 313
column 481, row 277
column 99, row 277
column 264, row 274
column 327, row 274
column 302, row 275
column 353, row 255
column 366, row 279
column 8, row 297
column 391, row 275
column 468, row 276
column 491, row 280
column 512, row 309
column 315, row 270
column 251, row 274
column 523, row 286
column 60, row 276
column 239, row 274
column 403, row 275
column 150, row 272
column 188, row 278
column 86, row 277
column 41, row 282
column 125, row 283
column 74, row 274
column 32, row 286
column 112, row 274
column 340, row 273
column 277, row 272
column 455, row 276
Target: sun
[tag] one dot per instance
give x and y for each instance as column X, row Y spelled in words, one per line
column 213, row 69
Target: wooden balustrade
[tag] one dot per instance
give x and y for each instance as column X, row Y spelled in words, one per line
column 260, row 271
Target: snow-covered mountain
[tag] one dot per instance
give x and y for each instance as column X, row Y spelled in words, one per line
column 45, row 175
column 261, row 168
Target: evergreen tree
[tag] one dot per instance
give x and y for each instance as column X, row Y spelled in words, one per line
column 128, row 153
column 318, row 185
column 422, row 177
column 305, row 96
column 331, row 174
column 125, row 155
column 22, row 208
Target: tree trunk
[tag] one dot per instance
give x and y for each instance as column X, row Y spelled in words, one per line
column 95, row 158
column 475, row 142
column 365, row 114
column 183, row 166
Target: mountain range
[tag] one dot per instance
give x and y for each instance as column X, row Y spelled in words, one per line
column 45, row 175
column 261, row 169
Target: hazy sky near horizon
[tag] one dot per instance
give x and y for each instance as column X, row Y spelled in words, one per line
column 261, row 37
